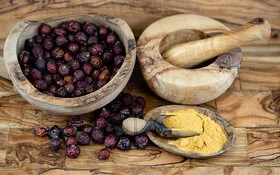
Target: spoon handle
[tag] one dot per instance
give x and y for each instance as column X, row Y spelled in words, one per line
column 192, row 53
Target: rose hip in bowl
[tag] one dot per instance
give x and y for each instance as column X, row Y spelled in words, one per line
column 58, row 57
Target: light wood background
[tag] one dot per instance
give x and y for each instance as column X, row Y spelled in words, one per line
column 252, row 104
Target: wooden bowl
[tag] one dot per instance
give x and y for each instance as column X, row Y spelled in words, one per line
column 69, row 106
column 163, row 142
column 181, row 85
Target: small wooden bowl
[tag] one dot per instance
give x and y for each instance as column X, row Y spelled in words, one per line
column 163, row 143
column 69, row 106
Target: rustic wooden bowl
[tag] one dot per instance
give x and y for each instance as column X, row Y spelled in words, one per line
column 69, row 106
column 163, row 142
column 168, row 49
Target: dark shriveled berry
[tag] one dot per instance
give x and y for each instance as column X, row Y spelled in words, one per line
column 83, row 138
column 63, row 70
column 87, row 68
column 103, row 32
column 73, row 151
column 118, row 48
column 92, row 40
column 103, row 154
column 78, row 75
column 59, row 31
column 77, row 122
column 80, row 37
column 96, row 61
column 141, row 101
column 55, row 144
column 48, row 43
column 79, row 92
column 115, row 105
column 111, row 39
column 40, row 64
column 104, row 75
column 40, row 84
column 109, row 129
column 116, row 118
column 100, row 84
column 61, row 92
column 95, row 74
column 60, row 41
column 59, row 82
column 89, row 28
column 67, row 57
column 51, row 67
column 57, row 53
column 111, row 141
column 118, row 130
column 96, row 50
column 45, row 29
column 73, row 48
column 41, row 131
column 141, row 141
column 97, row 136
column 54, row 132
column 74, row 65
column 108, row 57
column 26, row 70
column 118, row 60
column 100, row 122
column 88, row 128
column 37, row 51
column 83, row 57
column 137, row 109
column 69, row 87
column 124, row 143
column 38, row 39
column 69, row 131
column 71, row 141
column 127, row 99
column 104, row 113
column 68, row 79
column 48, row 79
column 35, row 74
column 52, row 89
column 73, row 26
column 24, row 57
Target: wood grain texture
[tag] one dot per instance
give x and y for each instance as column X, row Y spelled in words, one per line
column 260, row 73
column 276, row 102
column 26, row 150
column 264, row 146
column 237, row 156
column 251, row 171
column 4, row 134
column 194, row 171
column 6, row 88
column 21, row 171
column 247, row 108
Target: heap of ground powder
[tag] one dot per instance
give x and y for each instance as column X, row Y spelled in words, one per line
column 211, row 139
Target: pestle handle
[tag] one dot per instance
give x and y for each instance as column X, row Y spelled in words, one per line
column 192, row 53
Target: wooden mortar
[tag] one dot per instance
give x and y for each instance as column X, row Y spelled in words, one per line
column 182, row 39
column 69, row 106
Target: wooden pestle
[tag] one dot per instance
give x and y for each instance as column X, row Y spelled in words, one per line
column 192, row 53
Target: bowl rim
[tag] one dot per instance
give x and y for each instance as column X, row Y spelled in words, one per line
column 29, row 92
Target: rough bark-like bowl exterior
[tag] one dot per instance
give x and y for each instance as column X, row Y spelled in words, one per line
column 69, row 106
column 163, row 143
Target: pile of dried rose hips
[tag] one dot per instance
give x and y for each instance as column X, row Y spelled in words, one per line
column 72, row 59
column 107, row 128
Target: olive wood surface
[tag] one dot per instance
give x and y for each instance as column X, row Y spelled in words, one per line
column 70, row 106
column 227, row 128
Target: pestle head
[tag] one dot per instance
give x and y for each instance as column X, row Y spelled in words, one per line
column 133, row 126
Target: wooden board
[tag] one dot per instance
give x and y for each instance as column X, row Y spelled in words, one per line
column 252, row 104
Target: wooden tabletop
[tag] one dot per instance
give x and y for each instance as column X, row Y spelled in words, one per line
column 252, row 104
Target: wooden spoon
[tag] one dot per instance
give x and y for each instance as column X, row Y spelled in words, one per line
column 134, row 126
column 192, row 53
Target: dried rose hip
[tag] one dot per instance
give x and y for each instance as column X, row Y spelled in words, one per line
column 83, row 138
column 41, row 131
column 124, row 143
column 55, row 144
column 141, row 141
column 69, row 131
column 67, row 57
column 103, row 154
column 73, row 151
column 71, row 141
column 111, row 141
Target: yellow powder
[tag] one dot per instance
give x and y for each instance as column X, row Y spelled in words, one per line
column 211, row 139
